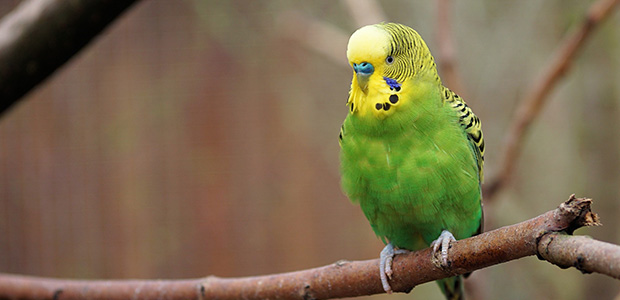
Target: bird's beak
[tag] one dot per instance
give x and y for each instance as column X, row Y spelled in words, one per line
column 363, row 72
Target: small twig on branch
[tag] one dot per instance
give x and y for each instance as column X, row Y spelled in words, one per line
column 535, row 97
column 39, row 36
column 538, row 236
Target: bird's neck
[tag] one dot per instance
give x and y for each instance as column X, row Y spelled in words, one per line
column 418, row 103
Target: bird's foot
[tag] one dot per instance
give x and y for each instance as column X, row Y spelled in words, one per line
column 385, row 265
column 440, row 259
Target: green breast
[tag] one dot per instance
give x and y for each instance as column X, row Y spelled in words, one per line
column 413, row 174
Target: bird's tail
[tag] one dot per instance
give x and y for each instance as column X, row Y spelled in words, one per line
column 452, row 288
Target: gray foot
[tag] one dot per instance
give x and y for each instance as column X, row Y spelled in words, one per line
column 385, row 265
column 443, row 241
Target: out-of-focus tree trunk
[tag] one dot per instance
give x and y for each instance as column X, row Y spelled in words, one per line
column 39, row 36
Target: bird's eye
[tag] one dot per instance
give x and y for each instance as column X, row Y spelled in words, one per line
column 389, row 60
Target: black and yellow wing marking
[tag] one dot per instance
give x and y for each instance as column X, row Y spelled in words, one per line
column 470, row 123
column 341, row 135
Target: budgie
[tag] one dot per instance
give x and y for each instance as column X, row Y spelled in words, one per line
column 412, row 151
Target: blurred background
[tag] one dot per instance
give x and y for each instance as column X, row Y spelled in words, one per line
column 199, row 138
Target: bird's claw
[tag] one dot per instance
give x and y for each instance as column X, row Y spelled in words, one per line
column 440, row 259
column 385, row 265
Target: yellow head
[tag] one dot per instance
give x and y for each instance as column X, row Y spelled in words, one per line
column 385, row 57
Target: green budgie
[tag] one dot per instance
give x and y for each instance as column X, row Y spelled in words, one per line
column 412, row 151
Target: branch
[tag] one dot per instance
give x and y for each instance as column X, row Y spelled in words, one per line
column 537, row 236
column 365, row 12
column 446, row 54
column 582, row 252
column 539, row 91
column 325, row 38
column 39, row 36
column 315, row 35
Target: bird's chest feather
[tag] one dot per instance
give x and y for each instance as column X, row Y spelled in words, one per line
column 417, row 181
column 398, row 171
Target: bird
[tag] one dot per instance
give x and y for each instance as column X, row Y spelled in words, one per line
column 411, row 150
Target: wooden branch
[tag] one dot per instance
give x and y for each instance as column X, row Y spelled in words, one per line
column 316, row 35
column 365, row 12
column 446, row 54
column 325, row 38
column 537, row 236
column 582, row 252
column 540, row 89
column 39, row 36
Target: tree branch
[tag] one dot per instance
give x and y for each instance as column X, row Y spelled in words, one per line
column 365, row 12
column 315, row 35
column 539, row 91
column 325, row 38
column 538, row 236
column 582, row 252
column 446, row 54
column 39, row 36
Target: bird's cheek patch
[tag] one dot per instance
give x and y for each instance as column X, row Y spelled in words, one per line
column 395, row 88
column 392, row 83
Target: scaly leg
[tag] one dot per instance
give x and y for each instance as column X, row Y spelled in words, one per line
column 444, row 240
column 385, row 265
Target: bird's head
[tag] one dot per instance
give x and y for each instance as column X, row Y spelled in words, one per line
column 368, row 51
column 384, row 58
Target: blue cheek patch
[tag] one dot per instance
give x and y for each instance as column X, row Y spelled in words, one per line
column 394, row 85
